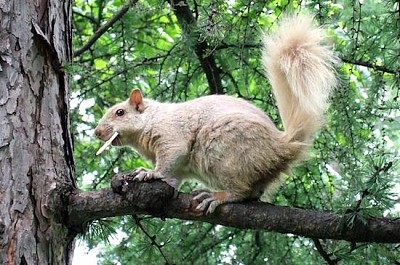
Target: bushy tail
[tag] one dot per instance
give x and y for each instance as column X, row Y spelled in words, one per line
column 300, row 70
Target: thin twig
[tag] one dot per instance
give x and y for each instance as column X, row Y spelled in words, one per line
column 100, row 31
column 152, row 238
column 324, row 254
column 371, row 65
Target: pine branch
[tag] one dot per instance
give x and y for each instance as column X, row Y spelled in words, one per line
column 324, row 254
column 152, row 238
column 187, row 23
column 371, row 65
column 160, row 200
column 100, row 31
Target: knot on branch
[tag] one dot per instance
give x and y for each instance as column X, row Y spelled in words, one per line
column 152, row 196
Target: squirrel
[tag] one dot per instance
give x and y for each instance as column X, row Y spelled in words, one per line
column 226, row 143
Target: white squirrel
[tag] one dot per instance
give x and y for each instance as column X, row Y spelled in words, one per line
column 226, row 143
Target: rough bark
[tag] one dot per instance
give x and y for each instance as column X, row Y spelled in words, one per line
column 160, row 200
column 36, row 164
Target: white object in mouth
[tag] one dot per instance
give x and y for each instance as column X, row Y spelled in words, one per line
column 107, row 143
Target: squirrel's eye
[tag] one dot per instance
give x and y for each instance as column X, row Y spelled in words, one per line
column 120, row 112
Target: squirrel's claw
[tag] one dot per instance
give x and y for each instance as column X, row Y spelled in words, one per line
column 211, row 200
column 144, row 174
column 207, row 201
column 210, row 204
column 141, row 174
column 201, row 194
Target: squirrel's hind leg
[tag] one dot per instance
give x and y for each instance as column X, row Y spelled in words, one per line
column 209, row 200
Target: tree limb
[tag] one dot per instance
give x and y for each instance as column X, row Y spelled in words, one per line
column 187, row 23
column 160, row 200
column 371, row 65
column 323, row 253
column 100, row 31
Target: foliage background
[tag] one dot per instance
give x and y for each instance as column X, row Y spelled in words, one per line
column 354, row 162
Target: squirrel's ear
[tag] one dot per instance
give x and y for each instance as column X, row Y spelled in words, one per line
column 136, row 99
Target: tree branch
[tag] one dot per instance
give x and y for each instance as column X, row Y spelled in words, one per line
column 372, row 66
column 160, row 200
column 187, row 23
column 323, row 253
column 104, row 28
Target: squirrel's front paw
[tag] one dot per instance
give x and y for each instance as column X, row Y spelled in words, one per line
column 145, row 174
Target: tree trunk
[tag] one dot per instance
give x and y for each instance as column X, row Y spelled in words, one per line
column 36, row 164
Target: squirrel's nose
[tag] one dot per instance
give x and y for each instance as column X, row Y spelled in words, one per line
column 97, row 132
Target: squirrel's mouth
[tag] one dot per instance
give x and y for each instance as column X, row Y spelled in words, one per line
column 116, row 141
column 111, row 141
